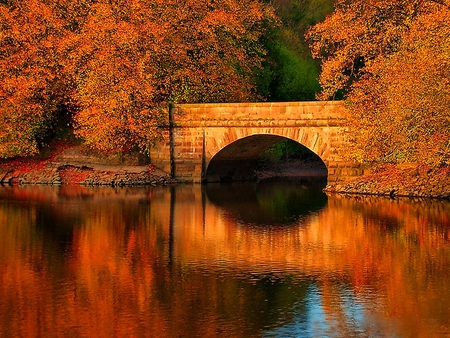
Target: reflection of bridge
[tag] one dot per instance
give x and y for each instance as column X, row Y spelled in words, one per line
column 205, row 140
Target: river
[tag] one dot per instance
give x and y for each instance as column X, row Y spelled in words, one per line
column 274, row 259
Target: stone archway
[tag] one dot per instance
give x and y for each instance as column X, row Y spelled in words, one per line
column 195, row 133
column 242, row 160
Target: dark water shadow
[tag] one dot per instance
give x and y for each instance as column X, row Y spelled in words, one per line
column 278, row 201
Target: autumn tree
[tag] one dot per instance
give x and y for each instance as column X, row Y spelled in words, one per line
column 392, row 61
column 31, row 87
column 116, row 65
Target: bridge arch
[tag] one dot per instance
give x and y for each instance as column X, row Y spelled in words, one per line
column 196, row 133
column 241, row 159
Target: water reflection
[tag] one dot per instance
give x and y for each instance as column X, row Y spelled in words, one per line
column 269, row 202
column 182, row 262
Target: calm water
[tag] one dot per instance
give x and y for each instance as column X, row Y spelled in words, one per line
column 240, row 260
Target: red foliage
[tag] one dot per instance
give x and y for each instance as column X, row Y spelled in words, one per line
column 20, row 165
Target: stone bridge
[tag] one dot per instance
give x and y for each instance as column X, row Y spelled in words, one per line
column 206, row 142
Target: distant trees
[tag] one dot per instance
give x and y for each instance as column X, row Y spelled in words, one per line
column 290, row 73
column 391, row 59
column 112, row 65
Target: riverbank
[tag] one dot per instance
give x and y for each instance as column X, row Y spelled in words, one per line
column 399, row 181
column 73, row 166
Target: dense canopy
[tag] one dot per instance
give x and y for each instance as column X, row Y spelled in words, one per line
column 109, row 66
column 391, row 58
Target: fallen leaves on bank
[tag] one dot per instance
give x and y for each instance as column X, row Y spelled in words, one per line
column 391, row 180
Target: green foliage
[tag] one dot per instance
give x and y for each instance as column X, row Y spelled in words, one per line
column 286, row 149
column 296, row 77
column 290, row 73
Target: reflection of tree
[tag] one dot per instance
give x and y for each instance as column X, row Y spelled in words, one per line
column 407, row 263
column 342, row 270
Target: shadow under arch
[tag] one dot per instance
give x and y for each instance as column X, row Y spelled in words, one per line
column 241, row 160
column 271, row 202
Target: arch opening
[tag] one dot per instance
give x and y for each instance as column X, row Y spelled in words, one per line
column 264, row 156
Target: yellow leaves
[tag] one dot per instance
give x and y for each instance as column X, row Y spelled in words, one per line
column 361, row 30
column 392, row 57
column 20, row 119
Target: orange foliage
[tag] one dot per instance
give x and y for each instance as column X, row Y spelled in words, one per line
column 115, row 64
column 29, row 75
column 392, row 58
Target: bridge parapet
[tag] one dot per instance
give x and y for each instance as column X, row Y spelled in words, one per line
column 289, row 114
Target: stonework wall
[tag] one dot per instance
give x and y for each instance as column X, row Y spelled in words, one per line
column 201, row 131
